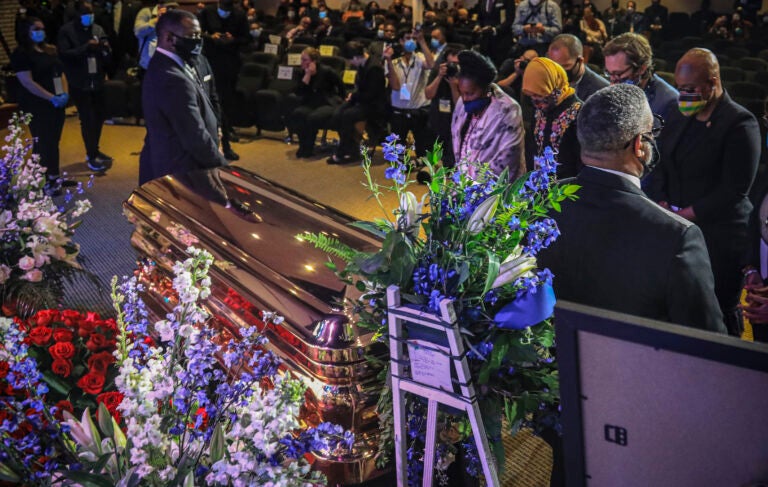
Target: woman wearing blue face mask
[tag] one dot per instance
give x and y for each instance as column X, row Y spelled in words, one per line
column 43, row 93
column 487, row 125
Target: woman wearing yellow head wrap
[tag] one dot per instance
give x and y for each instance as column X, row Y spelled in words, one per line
column 556, row 108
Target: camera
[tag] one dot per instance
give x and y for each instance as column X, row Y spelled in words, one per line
column 397, row 49
column 522, row 65
column 451, row 70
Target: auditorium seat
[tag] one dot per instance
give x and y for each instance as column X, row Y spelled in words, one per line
column 252, row 78
column 752, row 64
column 763, row 54
column 746, row 89
column 679, row 23
column 689, row 42
column 297, row 48
column 760, row 77
column 339, row 41
column 736, row 52
column 337, row 63
column 660, row 65
column 263, row 58
column 729, row 73
column 306, row 40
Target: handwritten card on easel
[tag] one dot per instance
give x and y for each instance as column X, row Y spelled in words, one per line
column 284, row 72
column 428, row 365
column 294, row 59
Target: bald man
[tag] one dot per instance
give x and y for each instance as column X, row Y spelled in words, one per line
column 710, row 149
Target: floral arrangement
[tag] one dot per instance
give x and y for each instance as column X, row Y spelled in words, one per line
column 192, row 407
column 475, row 242
column 36, row 248
column 74, row 351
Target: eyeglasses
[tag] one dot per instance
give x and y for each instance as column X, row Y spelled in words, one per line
column 658, row 126
column 617, row 76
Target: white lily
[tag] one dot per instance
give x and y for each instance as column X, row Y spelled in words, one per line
column 411, row 209
column 84, row 432
column 514, row 266
column 482, row 215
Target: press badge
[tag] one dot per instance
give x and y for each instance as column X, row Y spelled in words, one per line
column 404, row 93
column 92, row 65
column 445, row 106
column 58, row 86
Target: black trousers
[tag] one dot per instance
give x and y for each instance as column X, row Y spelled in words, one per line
column 344, row 120
column 46, row 126
column 416, row 122
column 225, row 89
column 305, row 121
column 90, row 109
column 726, row 246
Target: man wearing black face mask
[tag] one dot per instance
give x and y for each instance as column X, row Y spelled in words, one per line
column 567, row 51
column 182, row 124
column 617, row 249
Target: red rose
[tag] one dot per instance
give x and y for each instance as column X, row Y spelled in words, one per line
column 44, row 317
column 61, row 367
column 40, row 336
column 91, row 383
column 62, row 335
column 62, row 406
column 110, row 326
column 99, row 362
column 111, row 400
column 85, row 328
column 97, row 341
column 71, row 317
column 62, row 350
column 4, row 367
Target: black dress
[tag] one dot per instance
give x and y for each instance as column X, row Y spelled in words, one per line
column 47, row 120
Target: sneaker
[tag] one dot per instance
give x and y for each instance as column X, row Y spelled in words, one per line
column 95, row 165
column 231, row 155
column 103, row 158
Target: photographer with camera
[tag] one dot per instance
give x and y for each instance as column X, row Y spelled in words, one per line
column 408, row 76
column 536, row 23
column 512, row 81
column 443, row 91
column 85, row 52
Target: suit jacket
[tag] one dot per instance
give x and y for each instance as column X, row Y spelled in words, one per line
column 324, row 88
column 181, row 120
column 718, row 170
column 618, row 250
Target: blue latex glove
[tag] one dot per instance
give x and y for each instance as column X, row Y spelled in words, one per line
column 60, row 101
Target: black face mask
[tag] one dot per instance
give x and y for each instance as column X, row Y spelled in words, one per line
column 573, row 73
column 187, row 47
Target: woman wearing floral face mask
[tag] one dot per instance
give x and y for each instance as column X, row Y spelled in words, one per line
column 487, row 127
column 43, row 93
column 556, row 108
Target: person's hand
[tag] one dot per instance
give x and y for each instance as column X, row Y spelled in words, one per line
column 161, row 11
column 418, row 36
column 60, row 101
column 527, row 28
column 756, row 307
column 443, row 70
column 349, row 97
column 93, row 44
column 539, row 28
column 216, row 36
column 752, row 280
column 388, row 53
column 664, row 204
column 228, row 35
column 311, row 69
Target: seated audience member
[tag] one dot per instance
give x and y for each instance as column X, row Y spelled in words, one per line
column 629, row 59
column 598, row 258
column 593, row 30
column 536, row 23
column 354, row 11
column 366, row 103
column 408, row 76
column 318, row 94
column 303, row 29
column 386, row 34
column 710, row 149
column 437, row 41
column 614, row 22
column 487, row 126
column 566, row 50
column 443, row 92
column 556, row 108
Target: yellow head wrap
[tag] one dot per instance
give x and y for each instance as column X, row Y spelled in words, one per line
column 543, row 76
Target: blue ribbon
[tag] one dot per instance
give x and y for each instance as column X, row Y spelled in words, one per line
column 529, row 309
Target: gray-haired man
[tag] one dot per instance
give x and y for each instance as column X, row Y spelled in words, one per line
column 618, row 250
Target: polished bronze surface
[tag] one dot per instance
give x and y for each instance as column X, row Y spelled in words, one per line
column 252, row 228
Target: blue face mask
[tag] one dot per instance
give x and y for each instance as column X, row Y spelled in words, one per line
column 410, row 45
column 37, row 36
column 223, row 13
column 476, row 106
column 255, row 33
column 322, row 14
column 435, row 44
column 86, row 20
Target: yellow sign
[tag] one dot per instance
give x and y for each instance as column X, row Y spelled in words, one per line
column 349, row 76
column 327, row 50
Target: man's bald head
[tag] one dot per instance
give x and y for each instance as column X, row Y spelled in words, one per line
column 701, row 61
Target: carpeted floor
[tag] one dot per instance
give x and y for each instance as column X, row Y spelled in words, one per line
column 104, row 235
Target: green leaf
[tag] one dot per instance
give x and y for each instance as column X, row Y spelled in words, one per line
column 490, row 409
column 493, row 270
column 57, row 383
column 570, row 189
column 217, row 444
column 499, row 352
column 555, row 206
column 371, row 263
column 105, row 420
column 86, row 479
column 8, row 475
column 370, row 227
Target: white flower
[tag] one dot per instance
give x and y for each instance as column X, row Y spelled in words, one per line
column 482, row 215
column 26, row 263
column 163, row 327
column 35, row 275
column 514, row 266
column 81, row 206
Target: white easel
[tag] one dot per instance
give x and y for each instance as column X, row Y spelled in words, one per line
column 403, row 382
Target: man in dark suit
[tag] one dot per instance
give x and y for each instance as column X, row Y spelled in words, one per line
column 709, row 155
column 182, row 125
column 618, row 250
